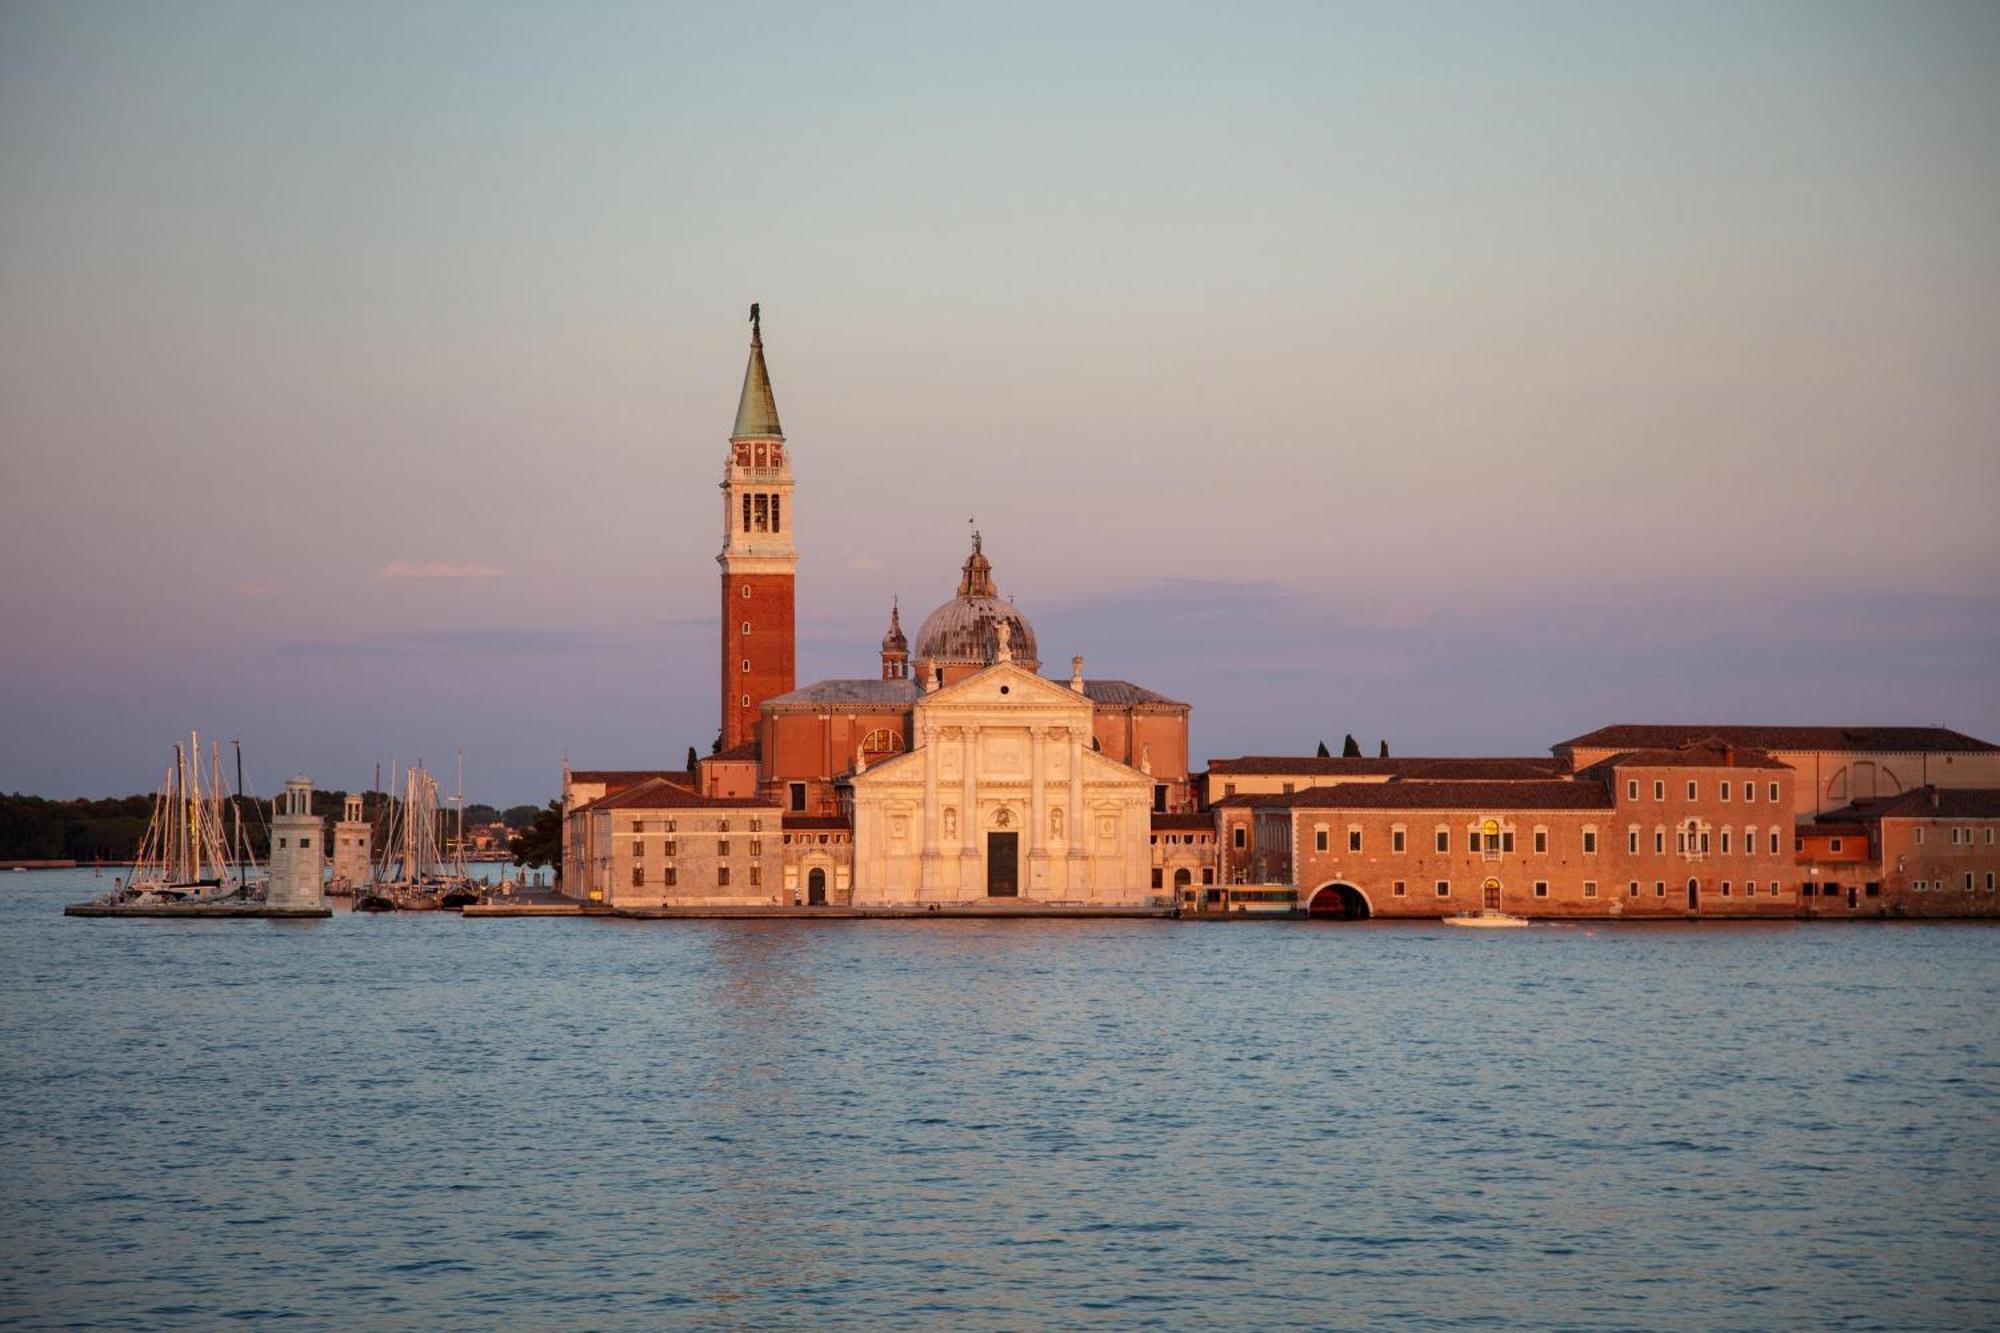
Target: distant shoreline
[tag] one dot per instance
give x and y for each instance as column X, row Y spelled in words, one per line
column 39, row 865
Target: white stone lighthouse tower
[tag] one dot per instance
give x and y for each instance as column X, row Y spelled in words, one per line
column 295, row 849
column 353, row 848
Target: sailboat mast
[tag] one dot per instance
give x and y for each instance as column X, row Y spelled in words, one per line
column 180, row 815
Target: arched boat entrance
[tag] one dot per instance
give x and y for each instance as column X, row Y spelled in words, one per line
column 1338, row 902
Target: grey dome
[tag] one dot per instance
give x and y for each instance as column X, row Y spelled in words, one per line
column 965, row 630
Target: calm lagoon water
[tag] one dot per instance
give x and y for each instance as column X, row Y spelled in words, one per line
column 425, row 1122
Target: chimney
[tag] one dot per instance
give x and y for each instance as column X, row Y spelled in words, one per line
column 1076, row 674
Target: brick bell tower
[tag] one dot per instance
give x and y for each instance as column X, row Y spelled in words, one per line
column 758, row 559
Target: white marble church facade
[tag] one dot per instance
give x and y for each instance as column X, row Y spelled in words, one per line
column 1002, row 796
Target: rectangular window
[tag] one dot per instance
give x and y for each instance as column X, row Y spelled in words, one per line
column 672, row 879
column 638, row 877
column 1989, row 881
column 1659, row 842
column 1158, row 880
column 1691, row 790
column 756, row 847
column 1444, row 840
column 1354, row 840
column 1541, row 841
column 1396, row 840
column 1228, row 789
column 1632, row 889
column 722, row 876
column 1208, row 874
column 1444, row 888
column 1631, row 789
column 798, row 795
column 756, row 874
column 1774, row 791
column 1749, row 792
column 1507, row 841
column 1590, row 888
column 746, row 528
column 638, row 849
column 1774, row 842
column 1723, row 792
column 1835, row 845
column 1541, row 888
column 1968, row 881
column 1774, row 888
column 722, row 848
column 1400, row 888
column 1659, row 888
column 1590, row 842
column 776, row 525
column 1288, row 788
column 1725, row 888
column 1319, row 840
column 671, row 844
column 1659, row 789
column 1238, row 837
column 1920, row 836
column 1725, row 842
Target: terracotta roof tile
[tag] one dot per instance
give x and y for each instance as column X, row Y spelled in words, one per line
column 661, row 795
column 1705, row 754
column 1925, row 803
column 1418, row 768
column 1888, row 740
column 617, row 778
column 1474, row 796
column 1199, row 822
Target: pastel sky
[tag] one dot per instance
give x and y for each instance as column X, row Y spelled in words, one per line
column 1465, row 375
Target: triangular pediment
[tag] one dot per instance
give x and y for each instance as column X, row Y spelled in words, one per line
column 1001, row 686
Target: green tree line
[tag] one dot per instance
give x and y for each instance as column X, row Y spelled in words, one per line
column 35, row 828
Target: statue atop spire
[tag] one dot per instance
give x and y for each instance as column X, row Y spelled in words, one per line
column 757, row 409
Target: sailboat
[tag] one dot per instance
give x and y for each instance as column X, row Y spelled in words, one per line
column 190, row 854
column 415, row 874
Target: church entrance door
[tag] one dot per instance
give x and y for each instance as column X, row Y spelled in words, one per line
column 816, row 888
column 1003, row 865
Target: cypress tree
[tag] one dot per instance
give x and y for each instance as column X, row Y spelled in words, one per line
column 1351, row 749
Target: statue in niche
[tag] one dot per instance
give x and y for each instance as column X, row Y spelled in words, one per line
column 1055, row 822
column 950, row 822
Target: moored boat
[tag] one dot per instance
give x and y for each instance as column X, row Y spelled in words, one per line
column 1492, row 918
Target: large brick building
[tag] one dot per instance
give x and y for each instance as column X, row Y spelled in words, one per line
column 955, row 770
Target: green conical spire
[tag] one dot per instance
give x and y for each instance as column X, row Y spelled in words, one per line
column 757, row 410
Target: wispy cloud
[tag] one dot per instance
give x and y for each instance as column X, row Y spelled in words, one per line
column 438, row 569
column 504, row 640
column 253, row 588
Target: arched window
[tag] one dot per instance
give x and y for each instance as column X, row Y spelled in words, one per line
column 882, row 740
